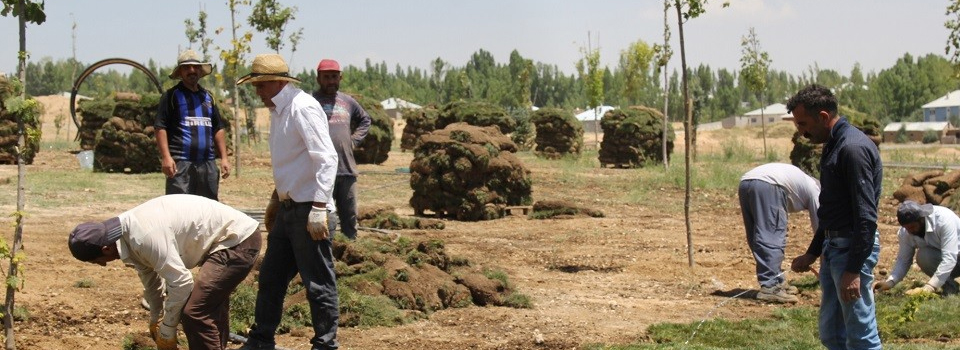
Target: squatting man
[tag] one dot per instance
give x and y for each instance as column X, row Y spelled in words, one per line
column 929, row 232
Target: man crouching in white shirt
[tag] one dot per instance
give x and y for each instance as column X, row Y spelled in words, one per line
column 163, row 239
column 929, row 232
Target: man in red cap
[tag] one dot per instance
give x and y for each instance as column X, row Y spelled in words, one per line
column 163, row 239
column 349, row 124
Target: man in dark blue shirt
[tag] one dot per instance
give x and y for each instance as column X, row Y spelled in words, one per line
column 190, row 133
column 846, row 240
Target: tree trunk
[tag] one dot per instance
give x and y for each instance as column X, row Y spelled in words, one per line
column 688, row 112
column 763, row 126
column 236, row 102
column 8, row 305
column 666, row 92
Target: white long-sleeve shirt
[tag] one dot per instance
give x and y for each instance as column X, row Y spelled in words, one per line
column 165, row 237
column 941, row 233
column 803, row 191
column 303, row 157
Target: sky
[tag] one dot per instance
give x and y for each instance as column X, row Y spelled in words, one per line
column 797, row 34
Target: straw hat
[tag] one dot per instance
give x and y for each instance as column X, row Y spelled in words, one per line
column 268, row 67
column 190, row 57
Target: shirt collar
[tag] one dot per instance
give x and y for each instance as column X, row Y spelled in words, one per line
column 285, row 96
column 837, row 130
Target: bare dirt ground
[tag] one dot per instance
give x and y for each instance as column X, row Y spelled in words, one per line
column 591, row 280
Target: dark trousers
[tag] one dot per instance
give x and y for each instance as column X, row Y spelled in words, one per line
column 206, row 319
column 291, row 250
column 200, row 178
column 345, row 196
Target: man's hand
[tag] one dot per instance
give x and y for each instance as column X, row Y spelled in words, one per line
column 802, row 263
column 224, row 168
column 883, row 286
column 168, row 166
column 849, row 287
column 166, row 337
column 317, row 223
column 926, row 289
column 270, row 214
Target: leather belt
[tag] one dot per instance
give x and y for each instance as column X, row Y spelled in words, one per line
column 830, row 234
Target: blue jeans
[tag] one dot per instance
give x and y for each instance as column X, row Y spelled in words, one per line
column 291, row 250
column 847, row 326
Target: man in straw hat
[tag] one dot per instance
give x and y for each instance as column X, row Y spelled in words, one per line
column 163, row 239
column 304, row 167
column 190, row 132
column 930, row 232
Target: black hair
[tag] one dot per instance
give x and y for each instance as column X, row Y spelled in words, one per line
column 814, row 98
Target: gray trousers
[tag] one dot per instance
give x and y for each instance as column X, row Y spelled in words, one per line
column 201, row 178
column 928, row 258
column 763, row 206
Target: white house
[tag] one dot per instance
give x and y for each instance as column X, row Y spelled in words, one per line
column 591, row 119
column 915, row 131
column 773, row 113
column 941, row 109
column 394, row 105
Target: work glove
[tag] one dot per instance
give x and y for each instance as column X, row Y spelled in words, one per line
column 317, row 224
column 883, row 286
column 166, row 337
column 270, row 214
column 926, row 289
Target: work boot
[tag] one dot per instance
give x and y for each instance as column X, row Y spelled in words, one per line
column 776, row 294
column 951, row 288
column 790, row 289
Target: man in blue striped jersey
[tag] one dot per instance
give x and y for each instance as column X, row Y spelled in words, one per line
column 190, row 132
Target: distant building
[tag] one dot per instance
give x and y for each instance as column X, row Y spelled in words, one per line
column 916, row 130
column 773, row 113
column 394, row 106
column 941, row 109
column 591, row 119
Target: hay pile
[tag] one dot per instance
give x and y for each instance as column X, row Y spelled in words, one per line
column 475, row 113
column 467, row 173
column 375, row 147
column 125, row 141
column 806, row 155
column 9, row 138
column 418, row 123
column 93, row 114
column 559, row 133
column 633, row 137
column 562, row 210
column 385, row 218
column 934, row 187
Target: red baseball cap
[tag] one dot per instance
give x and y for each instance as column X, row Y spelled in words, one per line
column 328, row 64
